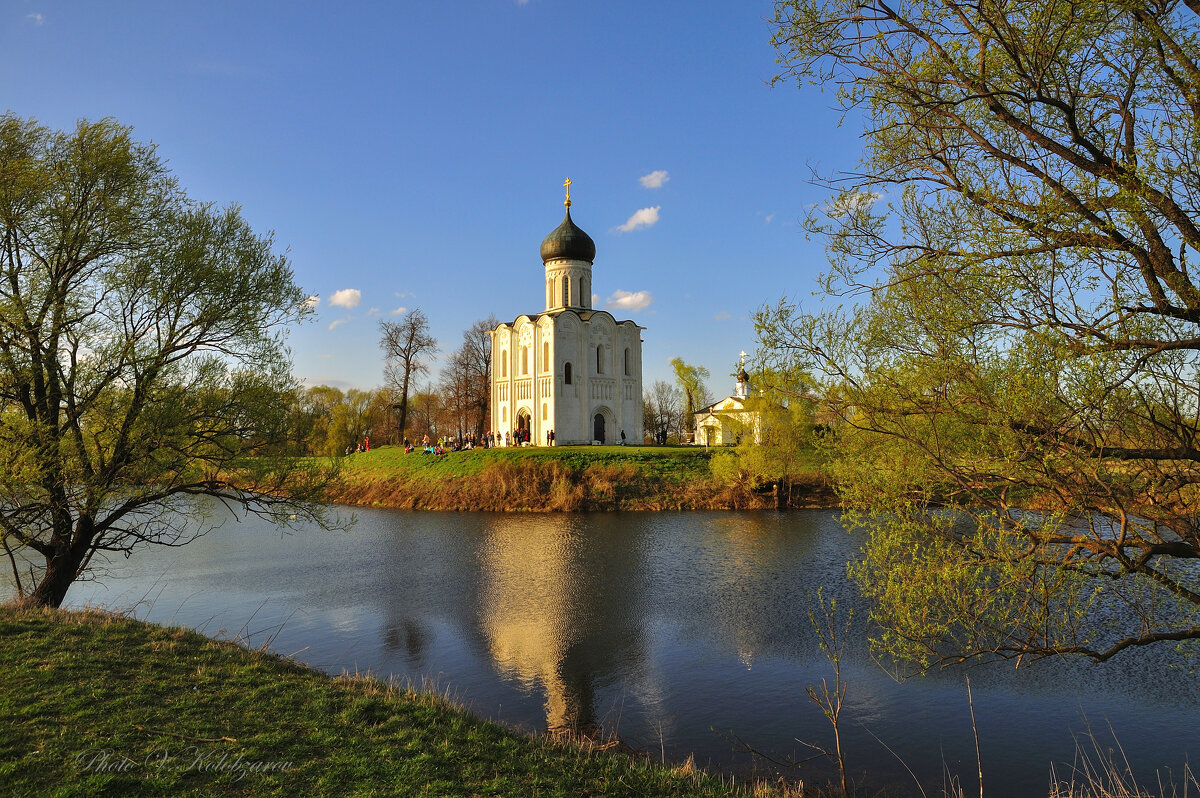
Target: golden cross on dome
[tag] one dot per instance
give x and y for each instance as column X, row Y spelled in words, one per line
column 568, row 187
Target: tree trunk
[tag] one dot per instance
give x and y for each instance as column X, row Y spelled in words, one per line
column 403, row 406
column 60, row 573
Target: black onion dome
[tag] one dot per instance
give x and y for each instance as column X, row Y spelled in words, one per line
column 742, row 375
column 568, row 241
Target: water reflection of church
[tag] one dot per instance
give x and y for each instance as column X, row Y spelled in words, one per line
column 570, row 369
column 548, row 619
column 584, row 610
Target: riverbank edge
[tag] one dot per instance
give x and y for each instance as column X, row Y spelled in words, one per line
column 101, row 703
column 560, row 480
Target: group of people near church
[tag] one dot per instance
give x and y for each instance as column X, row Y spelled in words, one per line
column 470, row 440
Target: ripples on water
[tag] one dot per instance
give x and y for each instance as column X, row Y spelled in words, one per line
column 683, row 632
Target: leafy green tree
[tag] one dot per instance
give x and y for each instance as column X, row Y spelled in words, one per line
column 1012, row 322
column 311, row 411
column 141, row 358
column 690, row 380
column 381, row 421
column 349, row 422
column 774, row 447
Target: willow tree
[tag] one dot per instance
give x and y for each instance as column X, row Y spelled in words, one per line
column 140, row 357
column 690, row 380
column 1010, row 326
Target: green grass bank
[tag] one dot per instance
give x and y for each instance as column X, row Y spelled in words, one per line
column 555, row 479
column 96, row 704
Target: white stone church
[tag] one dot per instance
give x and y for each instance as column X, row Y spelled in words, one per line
column 569, row 369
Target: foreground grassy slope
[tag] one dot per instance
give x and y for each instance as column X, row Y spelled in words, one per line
column 567, row 479
column 95, row 704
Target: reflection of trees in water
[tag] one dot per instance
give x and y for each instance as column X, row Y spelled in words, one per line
column 743, row 581
column 431, row 574
column 561, row 608
column 409, row 637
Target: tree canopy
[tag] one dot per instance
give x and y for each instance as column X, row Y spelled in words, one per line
column 1009, row 330
column 141, row 356
column 690, row 380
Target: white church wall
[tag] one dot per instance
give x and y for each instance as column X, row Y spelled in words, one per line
column 630, row 365
column 531, row 356
column 566, row 417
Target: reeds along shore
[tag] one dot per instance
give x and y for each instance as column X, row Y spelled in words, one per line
column 547, row 484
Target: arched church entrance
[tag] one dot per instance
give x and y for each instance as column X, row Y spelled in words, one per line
column 598, row 428
column 524, row 420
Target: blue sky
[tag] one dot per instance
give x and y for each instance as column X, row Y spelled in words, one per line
column 412, row 154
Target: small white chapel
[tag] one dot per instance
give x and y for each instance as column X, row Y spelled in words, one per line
column 570, row 370
column 724, row 422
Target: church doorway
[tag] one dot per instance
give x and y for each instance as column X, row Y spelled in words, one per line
column 598, row 428
column 523, row 424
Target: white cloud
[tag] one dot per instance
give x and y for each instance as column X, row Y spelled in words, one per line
column 852, row 202
column 770, row 217
column 36, row 19
column 333, row 325
column 626, row 300
column 722, row 316
column 655, row 179
column 312, row 302
column 595, row 300
column 346, row 298
column 399, row 311
column 373, row 312
column 644, row 217
column 332, row 382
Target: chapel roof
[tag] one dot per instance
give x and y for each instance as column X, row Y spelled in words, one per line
column 715, row 407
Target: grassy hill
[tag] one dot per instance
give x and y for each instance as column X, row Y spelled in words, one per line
column 95, row 704
column 560, row 478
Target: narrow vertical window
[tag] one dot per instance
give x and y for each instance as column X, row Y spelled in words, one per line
column 504, row 364
column 566, row 284
column 626, row 361
column 524, row 360
column 567, row 374
column 545, row 355
column 544, row 416
column 599, row 358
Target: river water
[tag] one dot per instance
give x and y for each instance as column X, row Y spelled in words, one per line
column 683, row 633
